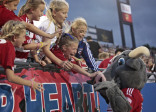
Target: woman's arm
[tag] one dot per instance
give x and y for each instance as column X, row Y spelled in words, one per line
column 18, row 80
column 35, row 46
column 99, row 76
column 37, row 31
column 78, row 69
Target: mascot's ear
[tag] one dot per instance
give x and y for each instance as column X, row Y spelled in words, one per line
column 133, row 63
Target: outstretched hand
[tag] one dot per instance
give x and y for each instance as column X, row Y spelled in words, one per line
column 93, row 75
column 96, row 77
column 36, row 85
column 67, row 65
column 100, row 77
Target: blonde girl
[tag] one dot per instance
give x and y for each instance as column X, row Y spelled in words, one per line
column 13, row 35
column 79, row 29
column 66, row 49
column 6, row 13
column 32, row 10
column 56, row 15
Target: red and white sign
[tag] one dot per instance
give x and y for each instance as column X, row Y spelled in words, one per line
column 126, row 12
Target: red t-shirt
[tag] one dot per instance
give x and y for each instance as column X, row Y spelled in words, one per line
column 58, row 53
column 105, row 63
column 6, row 15
column 7, row 54
column 134, row 97
column 20, row 53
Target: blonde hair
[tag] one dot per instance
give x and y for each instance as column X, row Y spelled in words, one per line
column 12, row 28
column 76, row 23
column 30, row 4
column 8, row 1
column 55, row 5
column 103, row 55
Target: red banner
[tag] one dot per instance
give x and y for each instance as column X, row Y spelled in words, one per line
column 64, row 92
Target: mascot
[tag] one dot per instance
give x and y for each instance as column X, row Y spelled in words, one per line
column 126, row 76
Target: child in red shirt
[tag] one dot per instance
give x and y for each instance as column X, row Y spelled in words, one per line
column 13, row 35
column 65, row 51
column 32, row 10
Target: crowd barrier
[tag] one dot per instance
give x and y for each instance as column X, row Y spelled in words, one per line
column 64, row 91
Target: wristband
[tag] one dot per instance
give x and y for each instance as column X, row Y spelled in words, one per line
column 78, row 59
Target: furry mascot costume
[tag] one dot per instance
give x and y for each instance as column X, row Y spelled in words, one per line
column 125, row 77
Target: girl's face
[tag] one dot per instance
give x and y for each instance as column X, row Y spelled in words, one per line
column 37, row 13
column 12, row 6
column 60, row 16
column 79, row 32
column 18, row 41
column 70, row 50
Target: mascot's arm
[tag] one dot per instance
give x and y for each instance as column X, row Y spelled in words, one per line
column 110, row 91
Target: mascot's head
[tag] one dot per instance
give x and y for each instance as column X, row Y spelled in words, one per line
column 128, row 70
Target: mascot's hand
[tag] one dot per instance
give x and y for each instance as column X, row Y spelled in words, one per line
column 111, row 92
column 104, row 85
